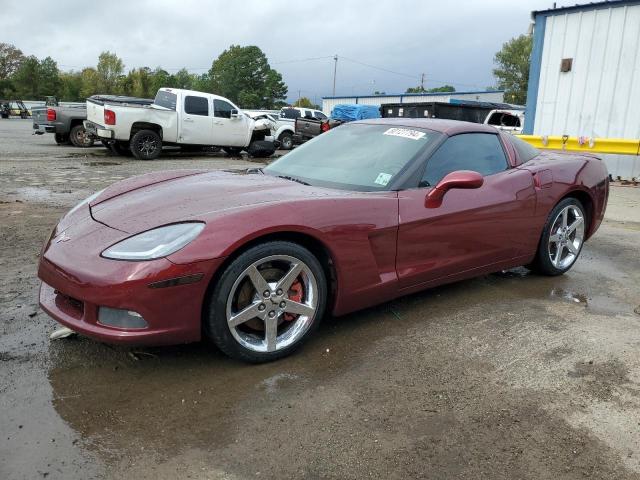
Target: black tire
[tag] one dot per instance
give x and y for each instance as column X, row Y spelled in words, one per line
column 261, row 149
column 119, row 149
column 79, row 138
column 233, row 151
column 286, row 140
column 146, row 145
column 215, row 320
column 543, row 263
column 61, row 138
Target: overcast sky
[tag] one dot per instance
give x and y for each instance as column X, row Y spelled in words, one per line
column 451, row 42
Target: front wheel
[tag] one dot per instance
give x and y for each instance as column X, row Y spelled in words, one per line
column 562, row 238
column 267, row 302
column 146, row 145
column 79, row 137
column 286, row 140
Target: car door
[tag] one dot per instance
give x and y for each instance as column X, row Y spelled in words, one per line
column 196, row 121
column 472, row 228
column 231, row 127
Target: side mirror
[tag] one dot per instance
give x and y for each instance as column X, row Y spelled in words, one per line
column 458, row 179
column 235, row 113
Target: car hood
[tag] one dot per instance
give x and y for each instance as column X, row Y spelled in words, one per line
column 148, row 201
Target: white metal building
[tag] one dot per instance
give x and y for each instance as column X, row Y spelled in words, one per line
column 496, row 96
column 584, row 76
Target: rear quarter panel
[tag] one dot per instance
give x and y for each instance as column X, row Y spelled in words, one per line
column 561, row 174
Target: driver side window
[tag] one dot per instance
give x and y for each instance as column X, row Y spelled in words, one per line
column 222, row 109
column 480, row 152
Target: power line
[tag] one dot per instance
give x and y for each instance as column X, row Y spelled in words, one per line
column 302, row 60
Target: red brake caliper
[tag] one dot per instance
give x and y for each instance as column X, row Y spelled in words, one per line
column 295, row 294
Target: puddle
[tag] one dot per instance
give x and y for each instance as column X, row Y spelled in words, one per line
column 569, row 296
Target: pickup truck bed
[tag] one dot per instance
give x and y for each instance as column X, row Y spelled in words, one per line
column 61, row 120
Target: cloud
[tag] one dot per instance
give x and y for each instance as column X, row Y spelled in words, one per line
column 451, row 42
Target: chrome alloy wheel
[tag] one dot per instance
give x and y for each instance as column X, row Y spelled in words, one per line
column 566, row 237
column 272, row 303
column 147, row 145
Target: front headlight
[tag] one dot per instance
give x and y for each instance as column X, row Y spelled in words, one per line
column 86, row 201
column 155, row 243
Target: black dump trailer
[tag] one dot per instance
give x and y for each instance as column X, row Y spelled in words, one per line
column 475, row 112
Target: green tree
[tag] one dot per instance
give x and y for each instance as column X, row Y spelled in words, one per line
column 421, row 89
column 304, row 102
column 90, row 82
column 243, row 75
column 26, row 79
column 183, row 79
column 70, row 86
column 512, row 68
column 139, row 83
column 49, row 78
column 10, row 60
column 160, row 78
column 110, row 69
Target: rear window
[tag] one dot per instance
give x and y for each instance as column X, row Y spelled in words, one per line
column 525, row 151
column 289, row 113
column 166, row 99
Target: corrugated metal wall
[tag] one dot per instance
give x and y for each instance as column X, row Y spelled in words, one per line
column 600, row 96
column 330, row 102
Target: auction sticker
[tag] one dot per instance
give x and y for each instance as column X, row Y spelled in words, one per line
column 383, row 178
column 405, row 133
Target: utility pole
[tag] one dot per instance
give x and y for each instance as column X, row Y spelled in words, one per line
column 335, row 68
column 422, row 82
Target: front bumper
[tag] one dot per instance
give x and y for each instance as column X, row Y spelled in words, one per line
column 98, row 131
column 76, row 282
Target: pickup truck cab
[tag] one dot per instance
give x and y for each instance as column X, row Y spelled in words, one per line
column 176, row 117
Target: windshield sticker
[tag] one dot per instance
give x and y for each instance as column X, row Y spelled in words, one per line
column 383, row 179
column 405, row 133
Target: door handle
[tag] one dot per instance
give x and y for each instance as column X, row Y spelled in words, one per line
column 188, row 120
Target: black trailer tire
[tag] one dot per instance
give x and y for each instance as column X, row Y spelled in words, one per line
column 286, row 140
column 61, row 138
column 275, row 259
column 146, row 145
column 79, row 138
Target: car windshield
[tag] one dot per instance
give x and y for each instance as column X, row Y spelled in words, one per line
column 359, row 156
column 166, row 99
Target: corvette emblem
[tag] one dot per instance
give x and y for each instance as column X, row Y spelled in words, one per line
column 63, row 237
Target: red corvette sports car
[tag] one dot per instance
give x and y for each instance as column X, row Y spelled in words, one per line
column 360, row 215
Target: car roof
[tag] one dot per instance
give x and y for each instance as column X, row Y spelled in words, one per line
column 448, row 127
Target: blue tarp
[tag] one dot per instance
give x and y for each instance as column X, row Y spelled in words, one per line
column 351, row 112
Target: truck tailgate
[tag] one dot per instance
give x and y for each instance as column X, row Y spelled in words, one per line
column 95, row 112
column 39, row 115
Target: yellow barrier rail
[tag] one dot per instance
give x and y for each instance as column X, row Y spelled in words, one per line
column 619, row 146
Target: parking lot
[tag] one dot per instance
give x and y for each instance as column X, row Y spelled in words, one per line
column 506, row 376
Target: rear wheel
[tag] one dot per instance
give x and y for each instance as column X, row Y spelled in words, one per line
column 562, row 238
column 79, row 137
column 146, row 145
column 61, row 138
column 267, row 302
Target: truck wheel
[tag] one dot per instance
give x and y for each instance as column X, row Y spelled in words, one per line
column 233, row 151
column 61, row 138
column 79, row 138
column 286, row 140
column 146, row 145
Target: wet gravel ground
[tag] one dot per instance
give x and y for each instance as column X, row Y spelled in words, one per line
column 502, row 377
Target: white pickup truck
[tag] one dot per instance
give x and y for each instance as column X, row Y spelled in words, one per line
column 176, row 117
